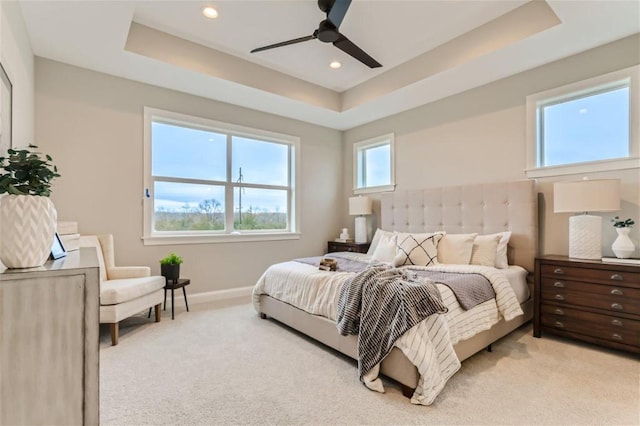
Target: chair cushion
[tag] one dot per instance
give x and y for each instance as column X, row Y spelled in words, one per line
column 118, row 291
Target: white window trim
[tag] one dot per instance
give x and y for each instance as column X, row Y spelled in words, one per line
column 199, row 237
column 631, row 162
column 372, row 143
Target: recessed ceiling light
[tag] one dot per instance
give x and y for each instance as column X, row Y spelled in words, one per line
column 210, row 12
column 335, row 65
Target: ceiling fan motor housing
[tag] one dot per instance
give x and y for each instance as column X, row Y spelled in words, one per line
column 327, row 32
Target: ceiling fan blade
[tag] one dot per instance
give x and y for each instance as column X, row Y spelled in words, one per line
column 349, row 48
column 337, row 12
column 286, row 43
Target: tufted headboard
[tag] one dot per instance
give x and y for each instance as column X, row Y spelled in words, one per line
column 481, row 208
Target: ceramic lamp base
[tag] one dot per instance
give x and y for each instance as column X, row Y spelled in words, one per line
column 585, row 237
column 361, row 230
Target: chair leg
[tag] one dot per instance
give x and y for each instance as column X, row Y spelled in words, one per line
column 157, row 307
column 114, row 333
column 149, row 314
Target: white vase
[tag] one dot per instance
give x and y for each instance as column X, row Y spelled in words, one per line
column 623, row 246
column 27, row 229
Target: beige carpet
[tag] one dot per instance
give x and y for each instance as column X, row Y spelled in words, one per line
column 221, row 364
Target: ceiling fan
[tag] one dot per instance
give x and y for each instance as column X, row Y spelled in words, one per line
column 328, row 32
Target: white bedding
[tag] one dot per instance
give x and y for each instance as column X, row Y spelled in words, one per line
column 316, row 292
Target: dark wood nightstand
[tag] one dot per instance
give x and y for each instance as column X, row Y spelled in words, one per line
column 333, row 246
column 588, row 300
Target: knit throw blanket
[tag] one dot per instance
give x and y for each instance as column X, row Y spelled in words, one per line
column 379, row 305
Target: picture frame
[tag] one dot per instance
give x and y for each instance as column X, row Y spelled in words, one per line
column 6, row 111
column 57, row 249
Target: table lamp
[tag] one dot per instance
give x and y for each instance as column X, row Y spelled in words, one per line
column 585, row 231
column 360, row 206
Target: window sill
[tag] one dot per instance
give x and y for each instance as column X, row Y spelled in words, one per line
column 157, row 240
column 384, row 188
column 582, row 168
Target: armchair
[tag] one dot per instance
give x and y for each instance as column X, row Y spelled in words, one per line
column 124, row 290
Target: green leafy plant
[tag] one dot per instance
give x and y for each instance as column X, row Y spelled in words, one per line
column 26, row 173
column 172, row 259
column 618, row 223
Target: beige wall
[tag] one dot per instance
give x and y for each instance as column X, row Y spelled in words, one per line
column 16, row 57
column 479, row 136
column 92, row 125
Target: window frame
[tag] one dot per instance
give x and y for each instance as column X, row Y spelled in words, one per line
column 591, row 86
column 375, row 142
column 151, row 237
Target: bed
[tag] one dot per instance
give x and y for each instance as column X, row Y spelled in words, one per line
column 479, row 208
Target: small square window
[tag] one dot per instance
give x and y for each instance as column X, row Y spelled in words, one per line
column 373, row 165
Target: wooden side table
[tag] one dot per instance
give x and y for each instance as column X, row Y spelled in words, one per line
column 171, row 285
column 334, row 246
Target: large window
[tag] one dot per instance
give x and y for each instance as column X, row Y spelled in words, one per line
column 211, row 181
column 373, row 165
column 583, row 127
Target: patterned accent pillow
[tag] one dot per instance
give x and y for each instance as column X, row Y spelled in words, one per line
column 417, row 249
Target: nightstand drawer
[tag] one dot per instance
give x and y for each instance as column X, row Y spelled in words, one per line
column 618, row 330
column 603, row 276
column 558, row 284
column 334, row 246
column 610, row 302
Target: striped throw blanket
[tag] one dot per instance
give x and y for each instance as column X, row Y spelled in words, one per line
column 380, row 305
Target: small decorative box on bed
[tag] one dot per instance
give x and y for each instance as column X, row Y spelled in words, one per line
column 457, row 260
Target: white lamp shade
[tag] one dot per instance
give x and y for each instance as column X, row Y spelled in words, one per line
column 598, row 195
column 359, row 205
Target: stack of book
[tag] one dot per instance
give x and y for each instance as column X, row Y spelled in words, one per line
column 327, row 264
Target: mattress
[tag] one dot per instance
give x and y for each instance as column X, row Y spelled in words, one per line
column 316, row 292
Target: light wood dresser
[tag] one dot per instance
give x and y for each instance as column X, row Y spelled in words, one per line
column 49, row 331
column 588, row 300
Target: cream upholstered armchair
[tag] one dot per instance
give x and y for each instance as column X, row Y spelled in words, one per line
column 124, row 290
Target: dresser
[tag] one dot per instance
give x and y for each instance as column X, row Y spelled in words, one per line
column 588, row 300
column 333, row 246
column 49, row 336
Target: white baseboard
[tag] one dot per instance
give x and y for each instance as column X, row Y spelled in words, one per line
column 210, row 296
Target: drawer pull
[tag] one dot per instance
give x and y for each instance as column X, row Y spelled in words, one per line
column 558, row 324
column 616, row 322
column 559, row 271
column 616, row 336
column 616, row 277
column 558, row 311
column 617, row 306
column 617, row 292
column 558, row 284
column 561, row 297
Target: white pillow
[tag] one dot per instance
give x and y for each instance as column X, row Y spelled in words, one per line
column 485, row 248
column 417, row 249
column 456, row 248
column 385, row 250
column 501, row 253
column 376, row 239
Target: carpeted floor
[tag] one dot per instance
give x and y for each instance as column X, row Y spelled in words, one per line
column 221, row 364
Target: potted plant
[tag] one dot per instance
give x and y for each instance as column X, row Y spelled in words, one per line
column 623, row 247
column 27, row 214
column 170, row 267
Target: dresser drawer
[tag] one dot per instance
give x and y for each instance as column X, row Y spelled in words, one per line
column 609, row 302
column 603, row 276
column 614, row 329
column 596, row 289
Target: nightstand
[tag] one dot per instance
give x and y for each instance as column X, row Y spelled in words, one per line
column 588, row 300
column 333, row 246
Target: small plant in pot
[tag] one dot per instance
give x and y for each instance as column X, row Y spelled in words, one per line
column 170, row 267
column 623, row 247
column 27, row 214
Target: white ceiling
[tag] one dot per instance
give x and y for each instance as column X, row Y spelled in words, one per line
column 418, row 43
